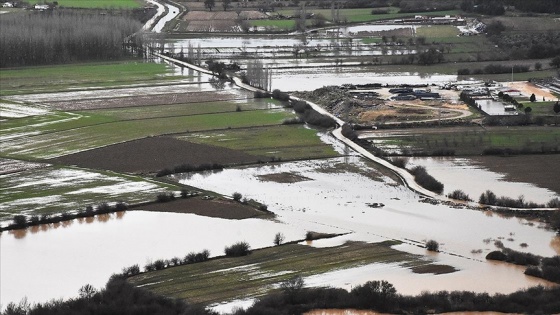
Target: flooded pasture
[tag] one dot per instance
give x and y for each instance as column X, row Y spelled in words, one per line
column 58, row 259
column 474, row 179
column 311, row 79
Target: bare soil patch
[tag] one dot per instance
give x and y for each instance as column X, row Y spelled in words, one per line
column 215, row 208
column 153, row 154
column 283, row 177
column 145, row 100
column 541, row 170
column 528, row 88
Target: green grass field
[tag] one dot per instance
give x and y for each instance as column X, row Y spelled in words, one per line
column 56, row 190
column 287, row 142
column 63, row 77
column 142, row 112
column 364, row 15
column 540, row 108
column 64, row 142
column 473, row 141
column 226, row 279
column 98, row 4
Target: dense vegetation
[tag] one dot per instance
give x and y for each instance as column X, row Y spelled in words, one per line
column 426, row 180
column 120, row 297
column 65, row 36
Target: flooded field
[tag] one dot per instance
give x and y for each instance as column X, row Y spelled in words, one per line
column 51, row 190
column 474, row 179
column 311, row 79
column 59, row 259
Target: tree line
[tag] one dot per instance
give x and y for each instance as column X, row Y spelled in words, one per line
column 64, row 36
column 121, row 297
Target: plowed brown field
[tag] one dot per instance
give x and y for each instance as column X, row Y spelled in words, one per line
column 153, row 154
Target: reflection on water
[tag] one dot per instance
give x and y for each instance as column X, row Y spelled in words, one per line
column 73, row 254
column 492, row 107
column 473, row 179
column 21, row 233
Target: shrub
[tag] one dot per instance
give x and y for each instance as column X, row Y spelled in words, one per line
column 238, row 249
column 432, row 246
column 20, row 220
column 165, row 197
column 278, row 238
column 301, row 106
column 103, row 207
column 131, row 271
column 399, row 162
column 309, row 236
column 425, row 180
column 459, row 195
column 263, row 207
column 488, row 198
column 553, row 203
column 279, row 95
column 237, row 196
column 159, row 264
column 496, row 255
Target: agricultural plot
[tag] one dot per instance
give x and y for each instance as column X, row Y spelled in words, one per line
column 89, row 137
column 364, row 15
column 54, row 190
column 98, row 4
column 471, row 140
column 66, row 77
column 226, row 279
column 286, row 142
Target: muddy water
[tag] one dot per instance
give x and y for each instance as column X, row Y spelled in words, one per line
column 311, row 79
column 335, row 197
column 494, row 108
column 474, row 179
column 60, row 258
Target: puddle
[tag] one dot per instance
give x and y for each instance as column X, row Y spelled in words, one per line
column 494, row 108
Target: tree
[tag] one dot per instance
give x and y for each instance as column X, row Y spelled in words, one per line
column 278, row 238
column 556, row 107
column 555, row 62
column 432, row 246
column 237, row 196
column 87, row 291
column 528, row 110
column 226, row 4
column 209, row 4
column 533, row 97
column 538, row 66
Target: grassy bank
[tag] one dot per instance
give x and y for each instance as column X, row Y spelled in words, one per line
column 224, row 279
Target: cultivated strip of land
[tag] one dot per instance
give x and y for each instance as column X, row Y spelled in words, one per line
column 224, row 279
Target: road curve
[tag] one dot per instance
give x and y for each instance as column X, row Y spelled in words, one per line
column 407, row 178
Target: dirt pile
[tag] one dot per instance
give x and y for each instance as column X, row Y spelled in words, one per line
column 342, row 102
